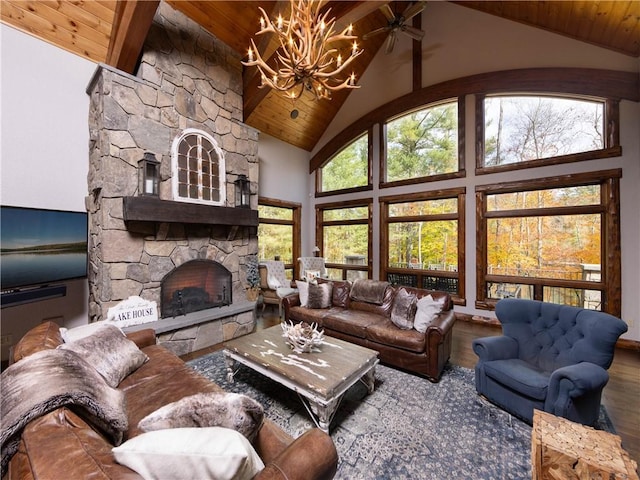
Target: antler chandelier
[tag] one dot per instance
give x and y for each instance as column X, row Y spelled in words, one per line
column 308, row 57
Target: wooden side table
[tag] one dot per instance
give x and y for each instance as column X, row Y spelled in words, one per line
column 561, row 449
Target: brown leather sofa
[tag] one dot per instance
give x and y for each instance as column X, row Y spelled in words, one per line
column 61, row 444
column 369, row 324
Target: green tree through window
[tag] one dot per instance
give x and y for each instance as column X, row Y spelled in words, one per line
column 349, row 168
column 279, row 232
column 345, row 233
column 423, row 143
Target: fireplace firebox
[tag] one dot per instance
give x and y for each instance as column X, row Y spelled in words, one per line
column 193, row 286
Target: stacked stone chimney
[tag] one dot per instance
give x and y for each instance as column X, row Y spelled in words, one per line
column 186, row 79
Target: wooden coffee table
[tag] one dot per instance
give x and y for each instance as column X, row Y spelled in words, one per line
column 320, row 378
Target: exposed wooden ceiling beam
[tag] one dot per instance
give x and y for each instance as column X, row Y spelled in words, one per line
column 131, row 24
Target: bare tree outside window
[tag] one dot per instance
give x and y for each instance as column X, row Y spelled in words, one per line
column 525, row 128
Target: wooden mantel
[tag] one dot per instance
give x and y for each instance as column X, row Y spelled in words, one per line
column 152, row 209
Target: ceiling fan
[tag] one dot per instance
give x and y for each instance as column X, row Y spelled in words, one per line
column 396, row 23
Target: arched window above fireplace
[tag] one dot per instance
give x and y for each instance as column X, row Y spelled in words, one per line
column 198, row 168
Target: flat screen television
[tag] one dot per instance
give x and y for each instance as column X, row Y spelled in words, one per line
column 40, row 247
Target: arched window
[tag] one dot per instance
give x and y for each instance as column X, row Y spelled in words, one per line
column 530, row 130
column 349, row 169
column 422, row 143
column 198, row 168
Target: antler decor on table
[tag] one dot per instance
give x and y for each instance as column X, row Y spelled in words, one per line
column 302, row 337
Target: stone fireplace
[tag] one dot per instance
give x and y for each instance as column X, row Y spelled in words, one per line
column 187, row 79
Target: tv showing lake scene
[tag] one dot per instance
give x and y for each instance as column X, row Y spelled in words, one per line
column 40, row 247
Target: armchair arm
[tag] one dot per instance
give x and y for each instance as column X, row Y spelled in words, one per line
column 572, row 381
column 289, row 301
column 312, row 456
column 442, row 324
column 495, row 348
column 143, row 338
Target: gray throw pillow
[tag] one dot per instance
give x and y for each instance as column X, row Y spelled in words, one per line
column 112, row 354
column 228, row 410
column 320, row 295
column 404, row 309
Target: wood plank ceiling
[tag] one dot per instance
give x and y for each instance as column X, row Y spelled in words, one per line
column 113, row 32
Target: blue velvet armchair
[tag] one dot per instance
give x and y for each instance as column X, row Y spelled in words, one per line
column 550, row 357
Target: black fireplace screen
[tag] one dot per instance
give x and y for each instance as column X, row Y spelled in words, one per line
column 193, row 286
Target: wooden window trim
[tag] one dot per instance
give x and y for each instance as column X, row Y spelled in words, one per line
column 295, row 222
column 460, row 173
column 361, row 188
column 609, row 208
column 460, row 216
column 320, row 224
column 611, row 148
column 608, row 84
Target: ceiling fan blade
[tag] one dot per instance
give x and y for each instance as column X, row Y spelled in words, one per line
column 413, row 10
column 375, row 32
column 391, row 42
column 386, row 10
column 412, row 32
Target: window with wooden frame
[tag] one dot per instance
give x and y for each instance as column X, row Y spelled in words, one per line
column 553, row 239
column 529, row 130
column 279, row 232
column 343, row 233
column 423, row 145
column 423, row 240
column 349, row 170
column 198, row 168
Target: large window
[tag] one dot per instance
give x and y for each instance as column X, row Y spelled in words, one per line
column 344, row 233
column 279, row 232
column 198, row 167
column 348, row 169
column 520, row 131
column 423, row 240
column 556, row 240
column 423, row 143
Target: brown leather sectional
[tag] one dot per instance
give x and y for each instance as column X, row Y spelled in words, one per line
column 370, row 325
column 61, row 444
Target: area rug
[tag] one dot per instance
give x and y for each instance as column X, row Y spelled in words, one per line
column 408, row 428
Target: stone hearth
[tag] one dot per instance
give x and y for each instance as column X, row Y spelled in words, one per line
column 186, row 79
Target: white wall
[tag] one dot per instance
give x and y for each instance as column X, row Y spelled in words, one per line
column 460, row 42
column 284, row 170
column 44, row 152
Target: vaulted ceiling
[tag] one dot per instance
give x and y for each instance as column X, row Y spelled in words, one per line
column 113, row 32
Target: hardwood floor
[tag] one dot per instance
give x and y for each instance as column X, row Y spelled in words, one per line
column 621, row 395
